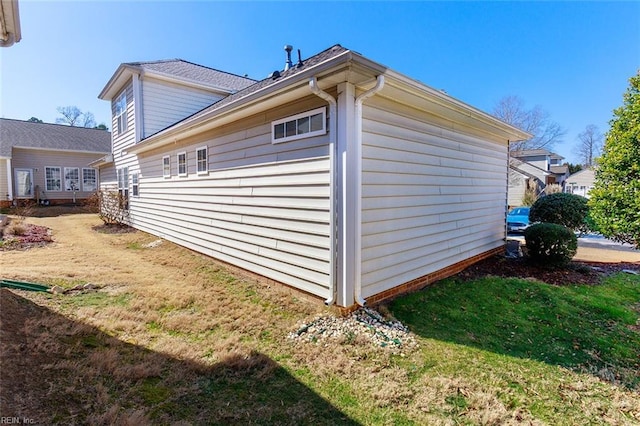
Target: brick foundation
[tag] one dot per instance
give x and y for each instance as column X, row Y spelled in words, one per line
column 425, row 280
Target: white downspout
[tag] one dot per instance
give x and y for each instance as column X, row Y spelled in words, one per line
column 358, row 186
column 333, row 129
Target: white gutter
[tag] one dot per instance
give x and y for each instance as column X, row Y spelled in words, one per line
column 333, row 129
column 358, row 187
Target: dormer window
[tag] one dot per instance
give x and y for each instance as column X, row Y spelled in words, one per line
column 121, row 112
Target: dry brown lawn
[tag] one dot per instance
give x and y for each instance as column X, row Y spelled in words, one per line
column 173, row 337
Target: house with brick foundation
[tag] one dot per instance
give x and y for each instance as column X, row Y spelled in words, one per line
column 336, row 175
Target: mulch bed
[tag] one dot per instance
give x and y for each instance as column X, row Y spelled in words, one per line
column 586, row 273
column 30, row 236
column 113, row 228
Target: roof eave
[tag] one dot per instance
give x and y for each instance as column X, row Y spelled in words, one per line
column 187, row 128
column 117, row 80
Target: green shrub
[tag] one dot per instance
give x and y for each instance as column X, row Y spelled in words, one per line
column 561, row 208
column 550, row 244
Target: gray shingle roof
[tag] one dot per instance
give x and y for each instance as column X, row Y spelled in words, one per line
column 196, row 73
column 310, row 62
column 25, row 134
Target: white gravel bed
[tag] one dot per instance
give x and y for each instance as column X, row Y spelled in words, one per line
column 363, row 323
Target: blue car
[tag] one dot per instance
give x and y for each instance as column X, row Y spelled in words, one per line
column 518, row 219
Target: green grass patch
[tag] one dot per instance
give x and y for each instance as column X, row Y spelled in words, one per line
column 584, row 328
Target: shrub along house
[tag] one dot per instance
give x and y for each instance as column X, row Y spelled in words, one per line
column 336, row 176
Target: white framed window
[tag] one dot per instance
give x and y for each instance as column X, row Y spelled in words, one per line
column 135, row 186
column 53, row 178
column 89, row 180
column 304, row 125
column 121, row 112
column 202, row 160
column 182, row 164
column 166, row 166
column 71, row 179
column 123, row 188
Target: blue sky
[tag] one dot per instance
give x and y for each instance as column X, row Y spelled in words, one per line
column 573, row 59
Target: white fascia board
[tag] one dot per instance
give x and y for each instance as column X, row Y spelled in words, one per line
column 117, row 81
column 455, row 106
column 78, row 151
column 107, row 159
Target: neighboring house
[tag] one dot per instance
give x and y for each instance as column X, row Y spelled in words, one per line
column 581, row 182
column 538, row 165
column 10, row 32
column 521, row 176
column 337, row 176
column 48, row 162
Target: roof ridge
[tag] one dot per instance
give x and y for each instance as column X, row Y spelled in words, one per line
column 217, row 70
column 52, row 124
column 165, row 61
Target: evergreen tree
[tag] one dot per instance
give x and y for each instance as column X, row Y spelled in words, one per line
column 615, row 199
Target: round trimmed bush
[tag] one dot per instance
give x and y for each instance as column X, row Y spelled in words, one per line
column 564, row 209
column 550, row 244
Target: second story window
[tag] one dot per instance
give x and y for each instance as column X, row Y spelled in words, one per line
column 121, row 112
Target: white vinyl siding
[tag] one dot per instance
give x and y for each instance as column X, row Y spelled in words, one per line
column 261, row 207
column 40, row 160
column 4, row 179
column 432, row 197
column 167, row 103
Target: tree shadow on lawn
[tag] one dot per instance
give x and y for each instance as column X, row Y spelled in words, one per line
column 589, row 329
column 59, row 371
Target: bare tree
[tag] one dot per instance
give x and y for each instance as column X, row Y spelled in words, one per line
column 546, row 132
column 589, row 145
column 70, row 115
column 73, row 116
column 88, row 120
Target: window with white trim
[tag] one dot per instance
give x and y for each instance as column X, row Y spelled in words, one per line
column 135, row 186
column 123, row 188
column 202, row 160
column 89, row 180
column 53, row 178
column 166, row 166
column 121, row 112
column 182, row 164
column 304, row 125
column 71, row 179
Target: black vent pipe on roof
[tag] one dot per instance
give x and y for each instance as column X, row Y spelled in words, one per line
column 300, row 64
